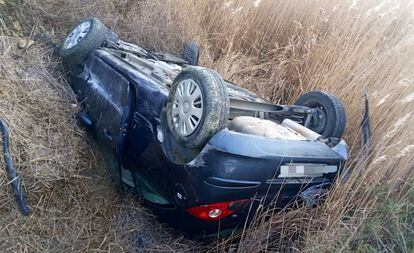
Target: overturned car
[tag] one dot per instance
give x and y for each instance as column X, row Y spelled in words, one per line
column 200, row 151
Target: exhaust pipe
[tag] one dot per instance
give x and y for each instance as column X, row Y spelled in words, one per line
column 306, row 132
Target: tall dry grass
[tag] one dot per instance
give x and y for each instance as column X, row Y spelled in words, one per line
column 281, row 49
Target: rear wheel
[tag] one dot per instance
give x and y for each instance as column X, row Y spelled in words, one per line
column 330, row 119
column 86, row 37
column 197, row 107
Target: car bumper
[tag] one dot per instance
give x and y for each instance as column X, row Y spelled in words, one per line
column 198, row 228
column 235, row 166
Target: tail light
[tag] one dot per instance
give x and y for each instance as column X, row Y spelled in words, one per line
column 216, row 211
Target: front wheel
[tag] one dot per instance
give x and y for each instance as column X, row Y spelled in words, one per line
column 330, row 118
column 197, row 106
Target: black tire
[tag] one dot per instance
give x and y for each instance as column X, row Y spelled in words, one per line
column 97, row 35
column 191, row 53
column 215, row 106
column 331, row 113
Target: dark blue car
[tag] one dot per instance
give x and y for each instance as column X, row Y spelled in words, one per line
column 200, row 151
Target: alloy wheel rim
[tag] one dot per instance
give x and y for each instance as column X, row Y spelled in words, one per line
column 187, row 108
column 77, row 35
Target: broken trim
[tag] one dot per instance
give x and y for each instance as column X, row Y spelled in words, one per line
column 15, row 179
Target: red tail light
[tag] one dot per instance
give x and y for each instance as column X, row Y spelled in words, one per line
column 216, row 211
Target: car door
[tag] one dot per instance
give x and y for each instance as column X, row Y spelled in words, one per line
column 108, row 103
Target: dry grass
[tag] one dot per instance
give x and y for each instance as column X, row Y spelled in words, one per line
column 278, row 49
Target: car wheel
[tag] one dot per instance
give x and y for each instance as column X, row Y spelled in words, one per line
column 191, row 53
column 86, row 37
column 331, row 118
column 197, row 106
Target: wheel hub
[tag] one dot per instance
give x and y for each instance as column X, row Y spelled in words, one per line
column 187, row 109
column 319, row 124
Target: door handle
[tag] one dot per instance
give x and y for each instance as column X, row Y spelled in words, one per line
column 107, row 134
